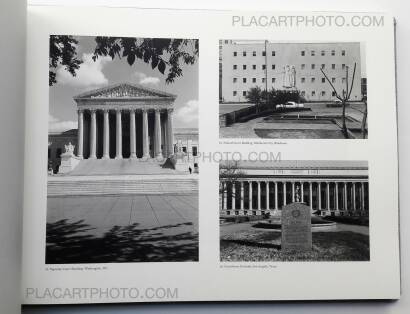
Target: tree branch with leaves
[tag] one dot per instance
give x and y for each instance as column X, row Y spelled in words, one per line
column 254, row 95
column 63, row 52
column 164, row 54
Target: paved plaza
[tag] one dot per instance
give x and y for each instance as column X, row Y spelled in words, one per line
column 128, row 228
column 271, row 127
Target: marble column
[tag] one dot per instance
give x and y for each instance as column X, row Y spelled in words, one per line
column 301, row 192
column 157, row 141
column 362, row 198
column 93, row 135
column 354, row 195
column 80, row 134
column 345, row 196
column 164, row 136
column 170, row 134
column 276, row 196
column 293, row 192
column 233, row 195
column 241, row 183
column 319, row 195
column 328, row 195
column 284, row 193
column 250, row 195
column 118, row 133
column 267, row 194
column 133, row 143
column 310, row 195
column 259, row 195
column 337, row 195
column 145, row 138
column 225, row 195
column 106, row 135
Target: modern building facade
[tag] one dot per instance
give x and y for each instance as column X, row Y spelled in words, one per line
column 246, row 64
column 334, row 188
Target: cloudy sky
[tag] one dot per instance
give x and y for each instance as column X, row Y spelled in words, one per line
column 104, row 71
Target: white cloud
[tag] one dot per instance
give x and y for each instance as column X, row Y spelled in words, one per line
column 143, row 79
column 88, row 75
column 57, row 125
column 187, row 115
column 150, row 80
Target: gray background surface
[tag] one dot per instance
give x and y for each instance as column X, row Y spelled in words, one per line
column 12, row 24
column 12, row 55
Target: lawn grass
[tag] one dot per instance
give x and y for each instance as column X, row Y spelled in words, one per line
column 350, row 220
column 262, row 246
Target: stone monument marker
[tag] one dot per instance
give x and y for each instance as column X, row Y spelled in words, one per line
column 296, row 227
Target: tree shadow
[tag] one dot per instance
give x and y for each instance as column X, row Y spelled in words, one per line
column 73, row 242
column 251, row 244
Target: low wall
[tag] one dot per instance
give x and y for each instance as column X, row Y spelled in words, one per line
column 230, row 118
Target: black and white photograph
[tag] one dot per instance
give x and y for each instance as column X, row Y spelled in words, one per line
column 292, row 90
column 294, row 210
column 122, row 150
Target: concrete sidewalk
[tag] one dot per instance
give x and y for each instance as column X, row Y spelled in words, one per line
column 137, row 228
column 104, row 212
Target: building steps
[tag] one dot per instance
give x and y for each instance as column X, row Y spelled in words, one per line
column 90, row 167
column 104, row 185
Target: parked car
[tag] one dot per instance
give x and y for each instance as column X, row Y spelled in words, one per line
column 279, row 106
column 290, row 104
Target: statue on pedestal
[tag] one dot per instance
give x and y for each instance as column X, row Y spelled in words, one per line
column 68, row 160
column 69, row 149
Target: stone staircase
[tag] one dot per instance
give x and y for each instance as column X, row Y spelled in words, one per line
column 122, row 185
column 92, row 167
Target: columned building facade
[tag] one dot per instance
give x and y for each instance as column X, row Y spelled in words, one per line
column 125, row 121
column 334, row 188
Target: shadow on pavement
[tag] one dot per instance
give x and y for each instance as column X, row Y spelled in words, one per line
column 71, row 242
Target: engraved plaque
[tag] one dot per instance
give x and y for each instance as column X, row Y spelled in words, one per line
column 296, row 227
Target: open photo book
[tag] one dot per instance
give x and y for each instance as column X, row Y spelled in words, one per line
column 188, row 155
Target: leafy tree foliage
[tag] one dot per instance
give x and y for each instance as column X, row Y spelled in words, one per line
column 276, row 96
column 273, row 97
column 254, row 95
column 166, row 55
column 63, row 51
column 161, row 53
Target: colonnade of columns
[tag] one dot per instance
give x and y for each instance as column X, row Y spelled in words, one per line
column 256, row 197
column 158, row 145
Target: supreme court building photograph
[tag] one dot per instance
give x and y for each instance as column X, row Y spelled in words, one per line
column 122, row 150
column 254, row 198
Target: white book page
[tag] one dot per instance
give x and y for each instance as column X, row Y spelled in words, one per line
column 209, row 278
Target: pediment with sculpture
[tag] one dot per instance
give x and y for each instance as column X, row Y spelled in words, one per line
column 124, row 91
